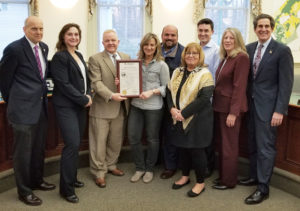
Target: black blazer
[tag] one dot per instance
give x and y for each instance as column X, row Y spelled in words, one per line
column 271, row 89
column 20, row 82
column 68, row 80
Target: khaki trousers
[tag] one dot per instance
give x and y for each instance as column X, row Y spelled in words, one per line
column 105, row 142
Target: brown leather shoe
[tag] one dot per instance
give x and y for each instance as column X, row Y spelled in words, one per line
column 100, row 182
column 117, row 172
column 167, row 174
column 31, row 199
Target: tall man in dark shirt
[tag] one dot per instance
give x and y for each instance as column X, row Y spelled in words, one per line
column 171, row 51
column 23, row 71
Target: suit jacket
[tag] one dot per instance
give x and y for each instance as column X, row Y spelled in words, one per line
column 102, row 73
column 69, row 87
column 231, row 82
column 271, row 89
column 20, row 82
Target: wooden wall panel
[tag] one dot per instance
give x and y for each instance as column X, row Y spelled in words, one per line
column 288, row 141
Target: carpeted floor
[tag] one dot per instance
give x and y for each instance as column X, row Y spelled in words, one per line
column 122, row 195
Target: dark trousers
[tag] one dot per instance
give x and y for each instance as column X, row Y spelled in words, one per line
column 227, row 139
column 193, row 158
column 262, row 149
column 72, row 123
column 170, row 152
column 29, row 153
column 210, row 156
column 150, row 120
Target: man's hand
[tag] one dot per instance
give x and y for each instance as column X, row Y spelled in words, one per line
column 90, row 101
column 117, row 81
column 118, row 97
column 276, row 119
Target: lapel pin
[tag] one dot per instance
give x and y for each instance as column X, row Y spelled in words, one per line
column 270, row 51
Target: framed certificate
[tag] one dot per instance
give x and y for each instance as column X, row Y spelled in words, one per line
column 129, row 73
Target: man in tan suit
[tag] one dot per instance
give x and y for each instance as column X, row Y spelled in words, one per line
column 108, row 111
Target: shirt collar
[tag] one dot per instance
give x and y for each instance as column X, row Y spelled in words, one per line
column 152, row 61
column 31, row 43
column 265, row 43
column 169, row 53
column 210, row 44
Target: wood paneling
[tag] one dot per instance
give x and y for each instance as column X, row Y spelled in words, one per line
column 288, row 141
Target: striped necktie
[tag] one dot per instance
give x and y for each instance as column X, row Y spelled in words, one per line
column 37, row 57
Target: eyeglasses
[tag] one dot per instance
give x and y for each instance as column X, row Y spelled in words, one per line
column 191, row 54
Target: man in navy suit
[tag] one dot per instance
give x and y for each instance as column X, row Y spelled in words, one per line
column 269, row 88
column 23, row 70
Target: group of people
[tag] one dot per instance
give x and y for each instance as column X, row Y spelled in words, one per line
column 196, row 95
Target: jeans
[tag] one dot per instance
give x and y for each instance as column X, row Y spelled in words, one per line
column 151, row 121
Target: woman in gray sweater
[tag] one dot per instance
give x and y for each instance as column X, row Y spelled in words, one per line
column 146, row 111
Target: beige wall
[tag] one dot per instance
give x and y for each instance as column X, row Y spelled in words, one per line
column 183, row 19
column 54, row 18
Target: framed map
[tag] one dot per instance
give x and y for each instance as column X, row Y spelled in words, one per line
column 287, row 26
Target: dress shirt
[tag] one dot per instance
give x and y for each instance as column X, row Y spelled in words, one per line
column 83, row 72
column 112, row 58
column 42, row 58
column 212, row 58
column 265, row 46
column 155, row 76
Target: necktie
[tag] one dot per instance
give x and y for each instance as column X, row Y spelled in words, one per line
column 257, row 59
column 115, row 59
column 37, row 58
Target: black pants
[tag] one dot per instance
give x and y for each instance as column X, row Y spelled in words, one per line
column 193, row 158
column 29, row 154
column 71, row 122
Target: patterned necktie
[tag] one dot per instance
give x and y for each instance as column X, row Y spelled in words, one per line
column 257, row 59
column 37, row 57
column 115, row 59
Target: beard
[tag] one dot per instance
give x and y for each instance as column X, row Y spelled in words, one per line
column 169, row 44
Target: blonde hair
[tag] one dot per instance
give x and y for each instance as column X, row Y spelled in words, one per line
column 198, row 49
column 109, row 31
column 239, row 45
column 145, row 40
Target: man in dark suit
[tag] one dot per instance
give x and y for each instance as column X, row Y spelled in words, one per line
column 269, row 88
column 23, row 70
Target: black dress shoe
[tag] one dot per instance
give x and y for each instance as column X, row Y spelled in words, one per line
column 248, row 182
column 193, row 194
column 216, row 181
column 167, row 174
column 31, row 199
column 72, row 198
column 177, row 186
column 44, row 186
column 256, row 197
column 221, row 187
column 78, row 184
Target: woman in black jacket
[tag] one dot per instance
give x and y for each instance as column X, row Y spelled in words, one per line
column 188, row 98
column 71, row 96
